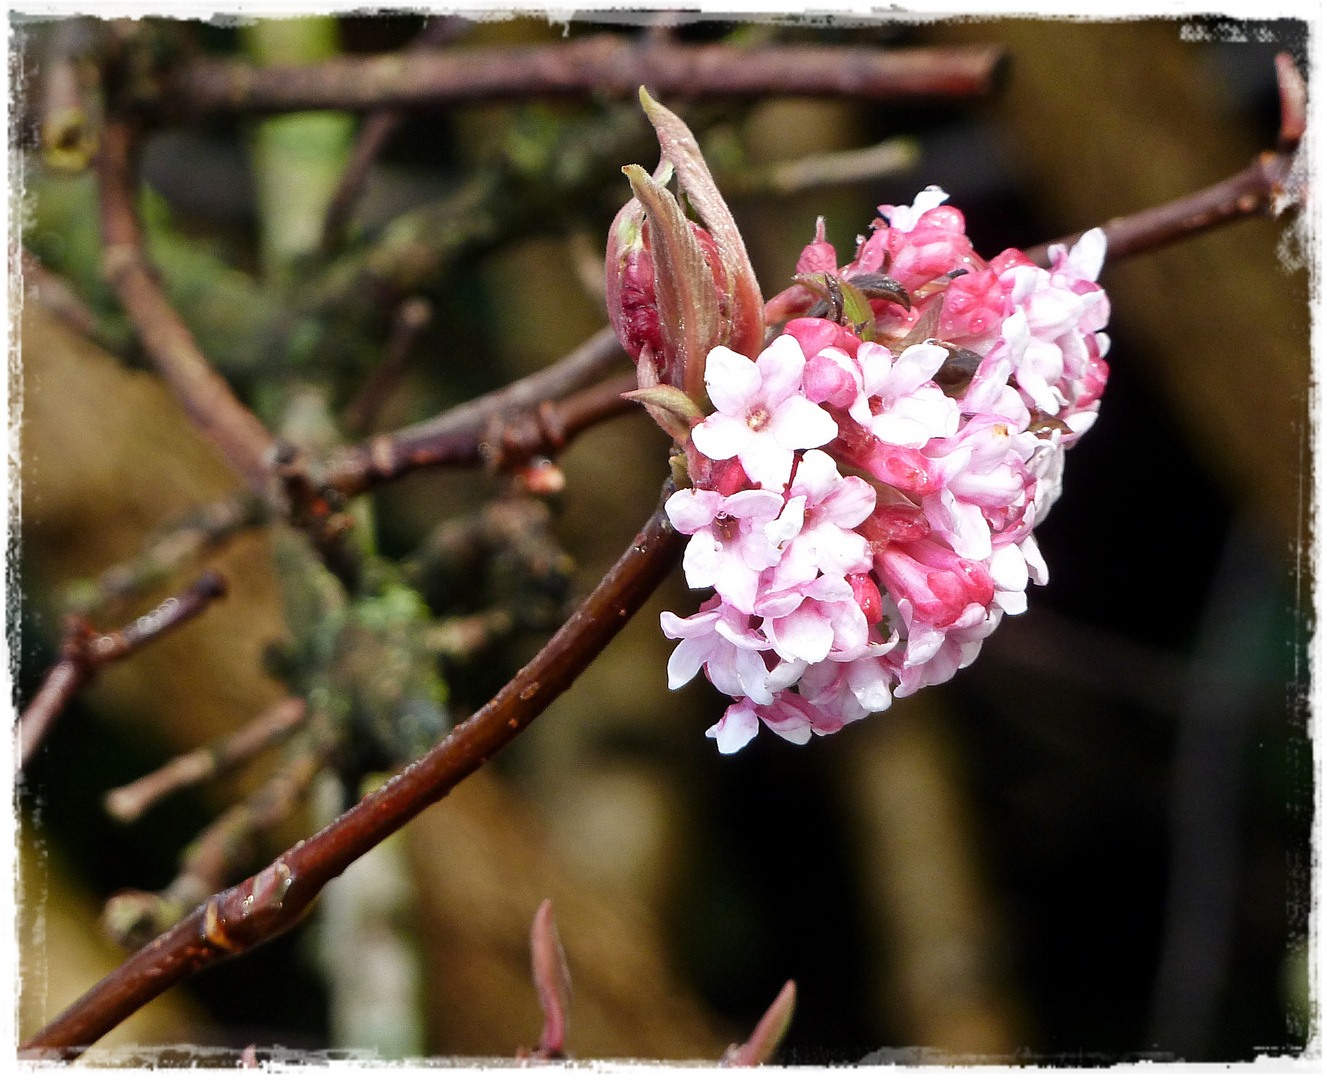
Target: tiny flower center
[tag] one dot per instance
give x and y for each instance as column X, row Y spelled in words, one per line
column 726, row 526
column 758, row 419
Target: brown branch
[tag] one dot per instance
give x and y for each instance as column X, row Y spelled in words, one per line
column 374, row 133
column 467, row 434
column 604, row 64
column 205, row 395
column 201, row 533
column 84, row 650
column 273, row 900
column 1267, row 185
column 127, row 804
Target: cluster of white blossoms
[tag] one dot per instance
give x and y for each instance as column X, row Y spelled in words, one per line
column 866, row 490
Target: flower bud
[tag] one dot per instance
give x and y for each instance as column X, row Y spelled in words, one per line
column 675, row 290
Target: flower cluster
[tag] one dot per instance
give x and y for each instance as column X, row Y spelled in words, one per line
column 865, row 490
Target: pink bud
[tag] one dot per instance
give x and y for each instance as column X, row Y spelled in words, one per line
column 937, row 582
column 944, row 218
column 903, row 468
column 1009, row 258
column 825, row 380
column 896, row 523
column 816, row 335
column 974, row 308
column 629, row 282
column 728, row 477
column 818, row 256
column 866, row 595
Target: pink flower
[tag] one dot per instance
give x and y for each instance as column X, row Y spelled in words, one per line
column 831, row 507
column 811, row 622
column 891, row 530
column 935, row 583
column 906, row 218
column 933, row 659
column 761, row 415
column 852, row 690
column 730, row 542
column 720, row 639
column 898, row 403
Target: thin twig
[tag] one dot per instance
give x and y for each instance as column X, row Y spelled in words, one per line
column 127, row 804
column 822, row 170
column 84, row 650
column 203, row 532
column 1267, row 185
column 466, row 435
column 273, row 900
column 604, row 63
column 502, row 200
column 460, row 638
column 374, row 133
column 134, row 917
column 205, row 395
column 411, row 317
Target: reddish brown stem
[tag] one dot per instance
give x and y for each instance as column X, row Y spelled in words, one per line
column 552, row 980
column 205, row 395
column 1265, row 186
column 374, row 134
column 273, row 901
column 1257, row 189
column 604, row 63
column 482, row 430
column 84, row 650
column 270, row 726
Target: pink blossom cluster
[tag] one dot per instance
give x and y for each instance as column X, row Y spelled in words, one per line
column 864, row 509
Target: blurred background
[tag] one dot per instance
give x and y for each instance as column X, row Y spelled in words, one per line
column 1091, row 846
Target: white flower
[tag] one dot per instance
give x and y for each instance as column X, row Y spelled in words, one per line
column 761, row 414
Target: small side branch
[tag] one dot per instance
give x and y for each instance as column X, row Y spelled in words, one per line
column 201, row 533
column 478, row 431
column 604, row 63
column 272, row 901
column 126, row 804
column 205, row 395
column 84, row 650
column 132, row 918
column 376, row 131
column 410, row 320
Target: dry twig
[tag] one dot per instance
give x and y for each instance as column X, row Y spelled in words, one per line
column 374, row 134
column 205, row 395
column 127, row 804
column 84, row 650
column 602, row 64
column 203, row 532
column 411, row 318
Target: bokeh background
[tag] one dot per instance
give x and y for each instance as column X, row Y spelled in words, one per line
column 1093, row 845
